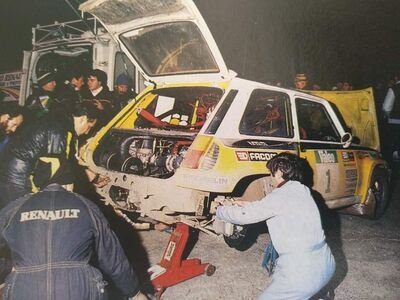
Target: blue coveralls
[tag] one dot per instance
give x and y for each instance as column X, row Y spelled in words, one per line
column 53, row 235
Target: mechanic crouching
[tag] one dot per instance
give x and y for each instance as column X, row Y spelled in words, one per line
column 54, row 236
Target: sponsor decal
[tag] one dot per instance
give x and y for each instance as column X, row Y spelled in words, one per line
column 170, row 250
column 326, row 156
column 351, row 176
column 206, row 180
column 347, row 156
column 257, row 143
column 261, row 156
column 10, row 79
column 242, row 155
column 254, row 156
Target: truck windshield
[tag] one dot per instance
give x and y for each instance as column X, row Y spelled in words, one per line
column 170, row 49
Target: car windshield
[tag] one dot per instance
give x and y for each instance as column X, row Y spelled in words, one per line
column 170, row 49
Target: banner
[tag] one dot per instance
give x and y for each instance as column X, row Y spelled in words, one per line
column 11, row 79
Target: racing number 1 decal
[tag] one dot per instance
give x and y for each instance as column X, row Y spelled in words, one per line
column 327, row 165
column 328, row 181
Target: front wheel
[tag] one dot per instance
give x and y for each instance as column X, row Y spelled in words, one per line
column 380, row 188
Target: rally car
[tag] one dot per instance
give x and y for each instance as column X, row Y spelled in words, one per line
column 197, row 135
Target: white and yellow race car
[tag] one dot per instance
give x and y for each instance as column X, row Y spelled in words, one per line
column 198, row 135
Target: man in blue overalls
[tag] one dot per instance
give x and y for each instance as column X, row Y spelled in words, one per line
column 54, row 236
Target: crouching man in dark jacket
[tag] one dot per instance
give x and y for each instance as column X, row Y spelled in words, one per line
column 53, row 236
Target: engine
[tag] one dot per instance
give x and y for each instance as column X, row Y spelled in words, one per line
column 145, row 155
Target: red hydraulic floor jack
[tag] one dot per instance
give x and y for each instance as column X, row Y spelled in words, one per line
column 172, row 269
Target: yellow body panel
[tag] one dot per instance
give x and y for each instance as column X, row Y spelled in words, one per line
column 359, row 113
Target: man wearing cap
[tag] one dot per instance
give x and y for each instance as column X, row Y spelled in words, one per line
column 42, row 100
column 122, row 93
column 300, row 81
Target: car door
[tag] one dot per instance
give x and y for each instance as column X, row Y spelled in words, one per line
column 335, row 168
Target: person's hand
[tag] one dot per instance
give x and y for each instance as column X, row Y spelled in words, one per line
column 100, row 180
column 240, row 203
column 97, row 179
column 99, row 105
column 226, row 202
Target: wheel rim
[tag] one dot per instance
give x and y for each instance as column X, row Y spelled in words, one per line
column 377, row 190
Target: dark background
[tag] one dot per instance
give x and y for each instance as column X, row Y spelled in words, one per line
column 263, row 40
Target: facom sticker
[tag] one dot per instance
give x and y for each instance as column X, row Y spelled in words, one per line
column 254, row 156
column 242, row 155
column 261, row 156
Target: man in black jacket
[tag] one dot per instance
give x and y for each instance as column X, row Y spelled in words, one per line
column 54, row 236
column 70, row 91
column 42, row 100
column 45, row 153
column 99, row 93
column 11, row 117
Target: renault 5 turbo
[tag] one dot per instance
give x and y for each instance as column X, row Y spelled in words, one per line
column 197, row 135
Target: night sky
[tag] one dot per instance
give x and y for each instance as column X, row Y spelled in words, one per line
column 263, row 40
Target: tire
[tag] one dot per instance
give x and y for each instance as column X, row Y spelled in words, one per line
column 379, row 185
column 236, row 239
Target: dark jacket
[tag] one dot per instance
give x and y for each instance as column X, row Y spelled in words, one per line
column 119, row 101
column 40, row 103
column 53, row 236
column 108, row 112
column 45, row 151
column 67, row 97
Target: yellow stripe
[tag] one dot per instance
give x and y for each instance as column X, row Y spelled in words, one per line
column 35, row 189
column 54, row 164
column 68, row 148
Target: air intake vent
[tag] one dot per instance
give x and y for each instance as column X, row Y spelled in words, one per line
column 210, row 158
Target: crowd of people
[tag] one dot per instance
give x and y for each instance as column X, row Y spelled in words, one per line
column 77, row 88
column 51, row 236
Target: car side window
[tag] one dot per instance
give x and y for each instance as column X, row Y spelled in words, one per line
column 124, row 66
column 267, row 114
column 315, row 122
